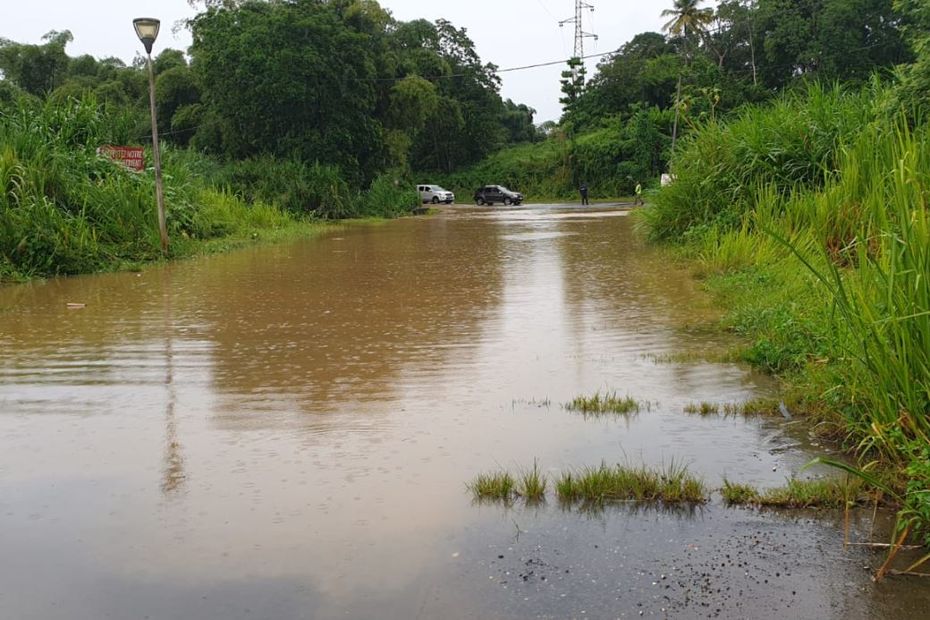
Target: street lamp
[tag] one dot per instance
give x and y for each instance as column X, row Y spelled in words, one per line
column 147, row 31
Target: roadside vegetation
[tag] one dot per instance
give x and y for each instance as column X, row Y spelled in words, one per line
column 65, row 210
column 808, row 217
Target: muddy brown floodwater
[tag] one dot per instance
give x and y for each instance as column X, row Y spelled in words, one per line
column 287, row 431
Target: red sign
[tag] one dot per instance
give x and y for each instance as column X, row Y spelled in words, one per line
column 129, row 156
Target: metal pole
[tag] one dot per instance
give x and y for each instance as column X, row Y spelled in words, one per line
column 579, row 31
column 159, row 189
column 677, row 111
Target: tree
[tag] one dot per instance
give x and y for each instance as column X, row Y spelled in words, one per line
column 175, row 89
column 687, row 19
column 475, row 87
column 573, row 80
column 517, row 120
column 913, row 90
column 629, row 77
column 290, row 80
column 688, row 22
column 843, row 40
column 37, row 69
column 169, row 59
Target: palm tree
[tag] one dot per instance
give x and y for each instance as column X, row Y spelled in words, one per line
column 687, row 20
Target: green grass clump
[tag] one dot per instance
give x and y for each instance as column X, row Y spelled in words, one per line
column 620, row 483
column 738, row 494
column 754, row 407
column 703, row 408
column 823, row 493
column 606, row 403
column 721, row 356
column 532, row 484
column 760, row 407
column 494, row 486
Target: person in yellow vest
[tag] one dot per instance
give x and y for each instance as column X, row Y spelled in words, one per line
column 639, row 194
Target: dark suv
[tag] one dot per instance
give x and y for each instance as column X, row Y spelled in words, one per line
column 489, row 194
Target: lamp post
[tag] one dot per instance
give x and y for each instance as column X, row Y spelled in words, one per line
column 147, row 31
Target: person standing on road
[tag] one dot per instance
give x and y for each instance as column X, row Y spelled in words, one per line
column 639, row 194
column 584, row 194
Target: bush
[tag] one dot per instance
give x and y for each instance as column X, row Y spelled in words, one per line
column 66, row 210
column 388, row 196
column 792, row 145
column 305, row 189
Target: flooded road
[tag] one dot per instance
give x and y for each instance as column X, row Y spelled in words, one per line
column 287, row 432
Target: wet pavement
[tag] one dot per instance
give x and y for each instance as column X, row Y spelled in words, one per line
column 287, row 431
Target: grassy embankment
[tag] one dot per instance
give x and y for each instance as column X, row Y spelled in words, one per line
column 65, row 210
column 809, row 220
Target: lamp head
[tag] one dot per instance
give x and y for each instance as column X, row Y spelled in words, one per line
column 147, row 31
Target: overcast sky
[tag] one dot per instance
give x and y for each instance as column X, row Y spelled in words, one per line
column 509, row 33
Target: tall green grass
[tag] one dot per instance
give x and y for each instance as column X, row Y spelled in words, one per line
column 878, row 280
column 810, row 218
column 790, row 145
column 66, row 210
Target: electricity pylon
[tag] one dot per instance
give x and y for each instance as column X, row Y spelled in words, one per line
column 578, row 20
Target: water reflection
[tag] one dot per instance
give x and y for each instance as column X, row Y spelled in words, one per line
column 173, row 467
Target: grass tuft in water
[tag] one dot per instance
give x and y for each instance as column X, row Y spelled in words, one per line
column 737, row 494
column 672, row 484
column 498, row 485
column 532, row 484
column 703, row 408
column 607, row 403
column 723, row 356
column 760, row 406
column 754, row 407
column 824, row 493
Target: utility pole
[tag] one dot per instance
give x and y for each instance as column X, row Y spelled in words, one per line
column 580, row 34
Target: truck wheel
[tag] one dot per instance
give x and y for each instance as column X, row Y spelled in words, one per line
column 508, row 201
column 435, row 200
